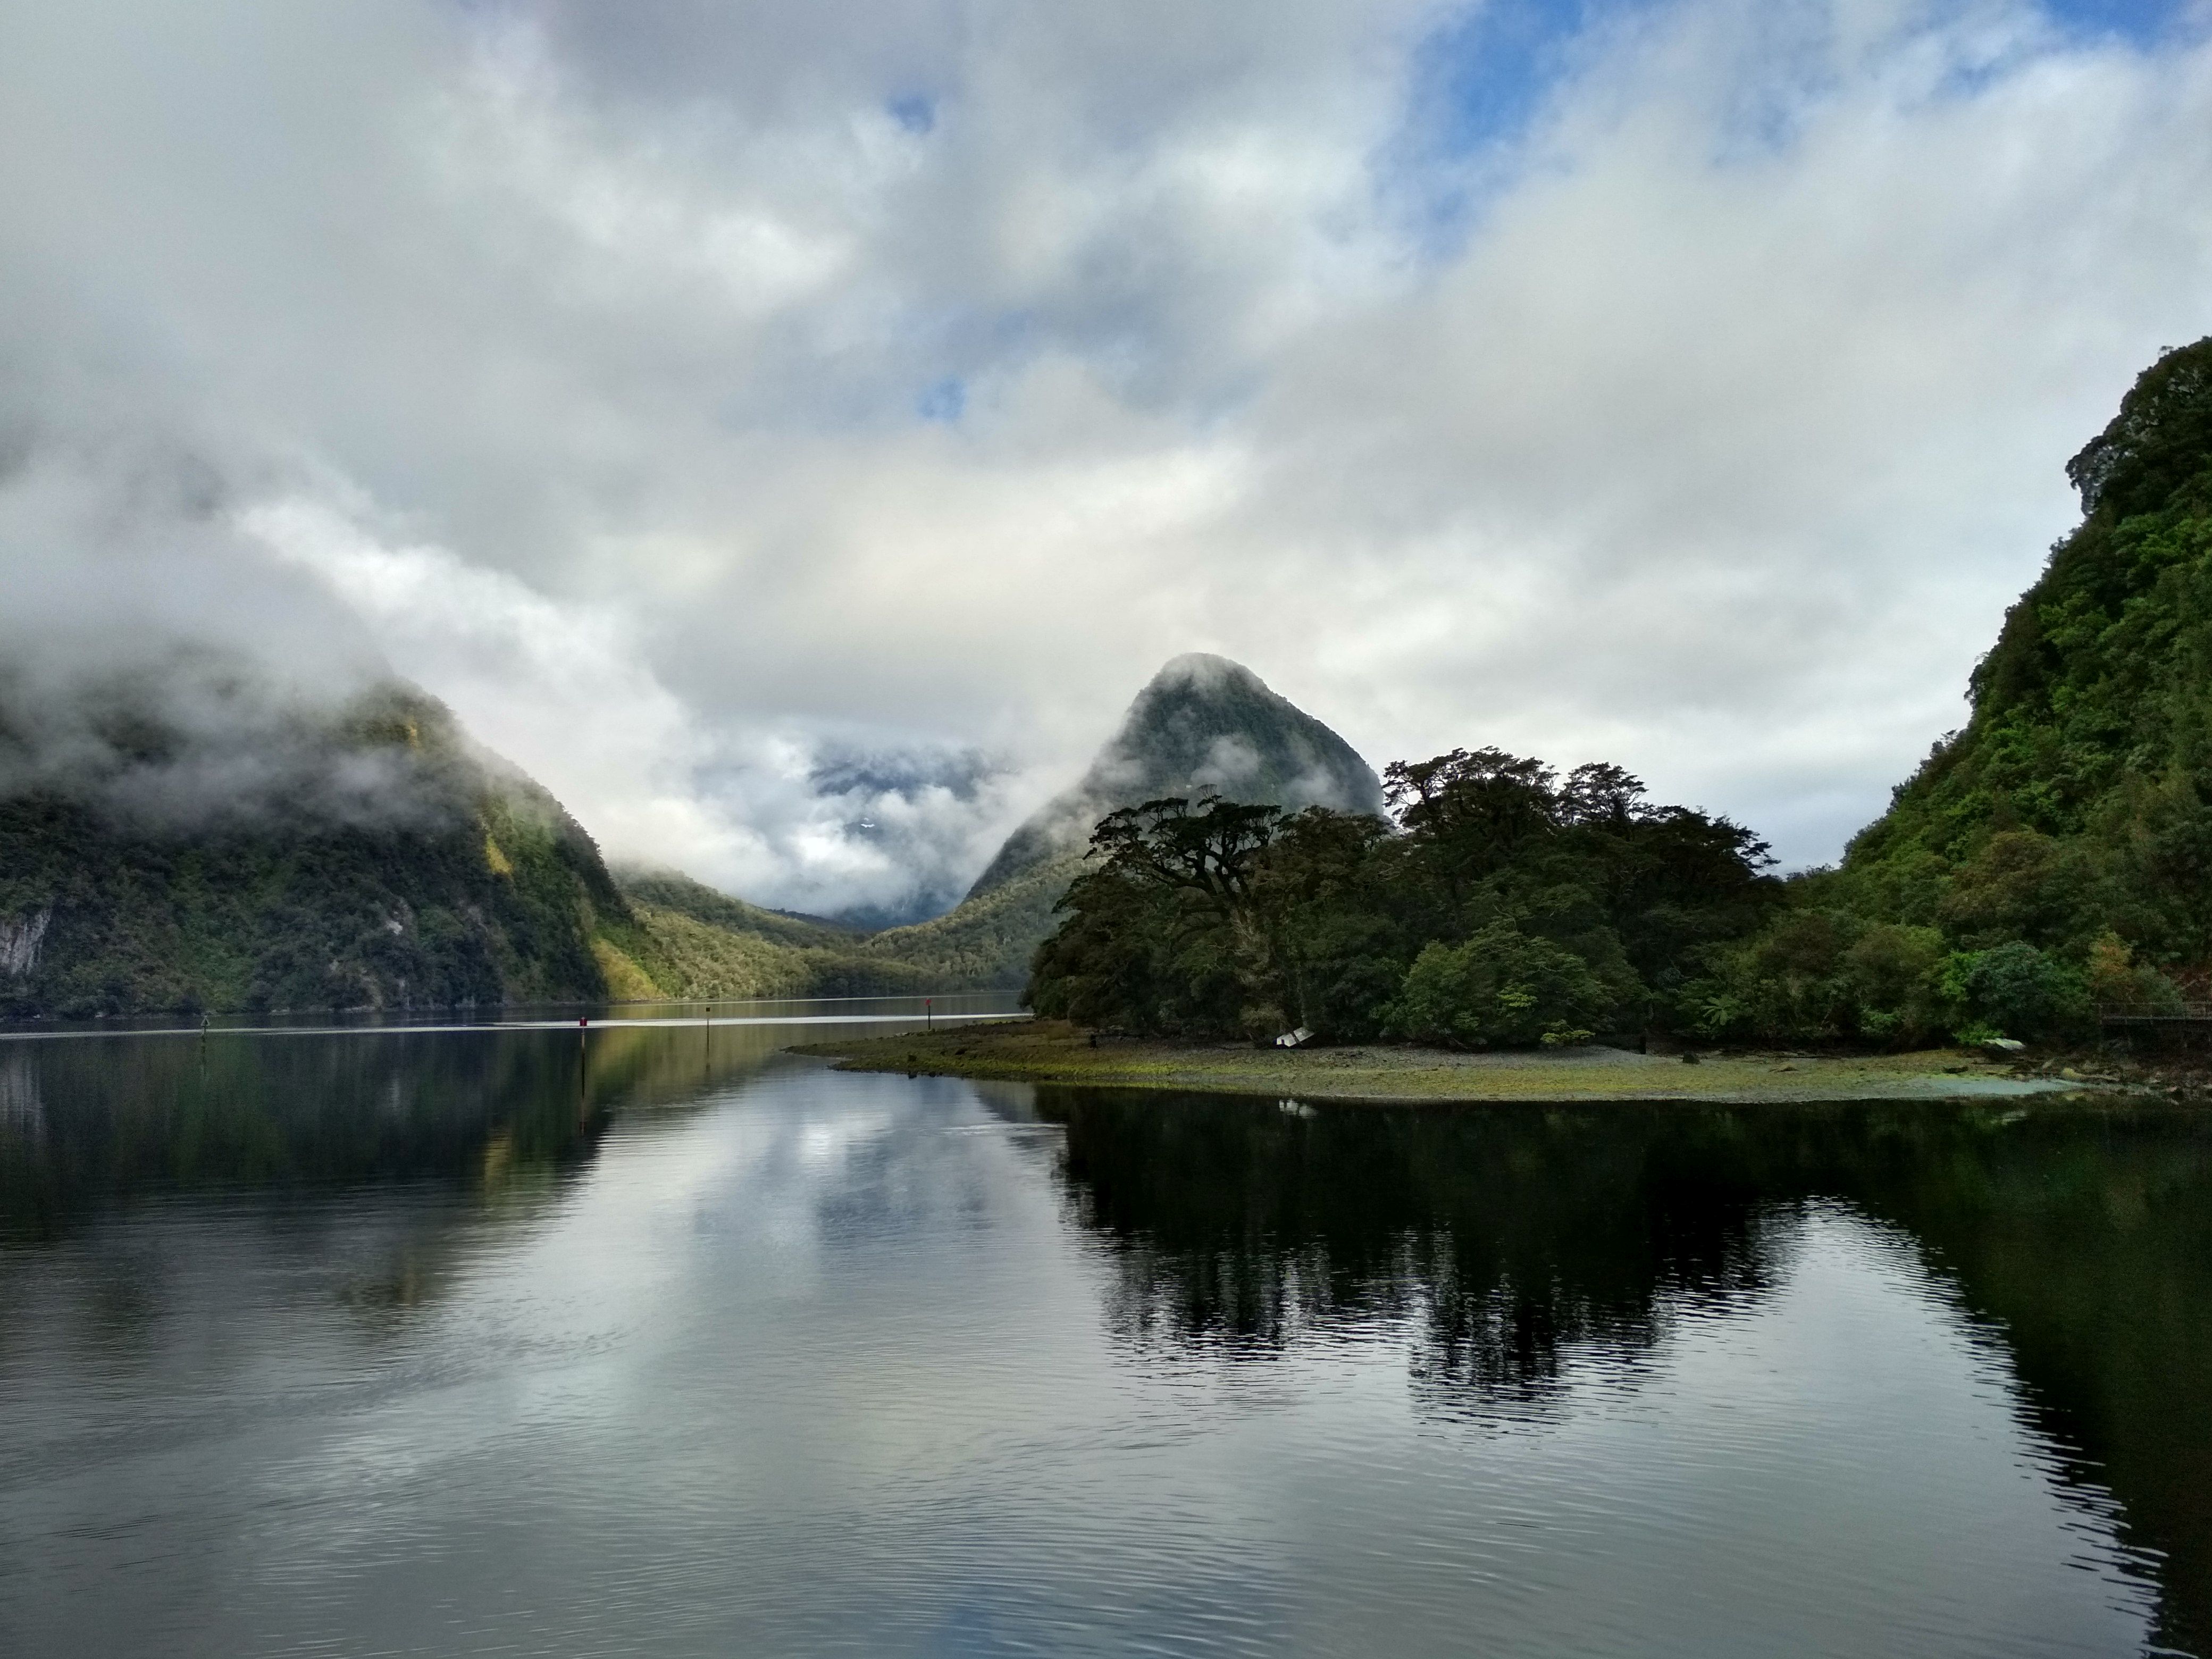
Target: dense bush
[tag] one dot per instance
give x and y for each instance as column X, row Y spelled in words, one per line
column 2015, row 987
column 1500, row 989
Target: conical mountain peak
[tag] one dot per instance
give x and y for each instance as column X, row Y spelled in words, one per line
column 1203, row 668
column 1203, row 725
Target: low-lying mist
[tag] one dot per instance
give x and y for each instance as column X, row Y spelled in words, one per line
column 206, row 741
column 194, row 640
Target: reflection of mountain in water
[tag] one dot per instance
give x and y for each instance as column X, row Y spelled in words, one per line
column 107, row 1119
column 85, row 1124
column 1530, row 1247
column 2085, row 1240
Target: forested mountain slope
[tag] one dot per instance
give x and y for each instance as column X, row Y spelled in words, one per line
column 186, row 841
column 2055, row 853
column 700, row 943
column 191, row 845
column 2075, row 799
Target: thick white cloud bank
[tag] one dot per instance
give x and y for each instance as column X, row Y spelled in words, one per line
column 794, row 433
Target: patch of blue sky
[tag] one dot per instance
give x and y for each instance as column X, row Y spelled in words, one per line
column 912, row 110
column 1479, row 78
column 2146, row 23
column 959, row 345
column 944, row 400
column 1478, row 82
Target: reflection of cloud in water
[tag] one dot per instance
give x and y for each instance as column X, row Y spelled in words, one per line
column 796, row 1361
column 1918, row 1271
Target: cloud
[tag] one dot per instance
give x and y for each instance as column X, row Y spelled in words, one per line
column 815, row 823
column 794, row 438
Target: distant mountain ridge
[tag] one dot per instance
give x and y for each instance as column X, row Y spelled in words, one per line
column 1202, row 726
column 700, row 943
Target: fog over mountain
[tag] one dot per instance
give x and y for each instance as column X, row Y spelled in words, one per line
column 787, row 435
column 1202, row 726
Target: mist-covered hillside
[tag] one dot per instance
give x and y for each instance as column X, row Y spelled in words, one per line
column 186, row 840
column 1204, row 726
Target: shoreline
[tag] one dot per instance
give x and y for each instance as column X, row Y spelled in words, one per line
column 1051, row 1051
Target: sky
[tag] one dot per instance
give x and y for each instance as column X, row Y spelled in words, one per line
column 794, row 433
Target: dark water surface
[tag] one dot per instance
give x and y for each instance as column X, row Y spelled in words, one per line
column 465, row 1343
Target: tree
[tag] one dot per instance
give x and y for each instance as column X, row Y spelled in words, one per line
column 1501, row 988
column 1159, row 936
column 1211, row 917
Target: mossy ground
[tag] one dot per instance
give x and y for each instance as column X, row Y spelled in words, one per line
column 1052, row 1051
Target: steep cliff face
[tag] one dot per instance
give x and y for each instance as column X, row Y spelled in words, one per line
column 204, row 848
column 2077, row 800
column 1204, row 726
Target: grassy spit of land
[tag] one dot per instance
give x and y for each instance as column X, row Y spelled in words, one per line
column 1053, row 1051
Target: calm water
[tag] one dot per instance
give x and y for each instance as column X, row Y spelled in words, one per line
column 469, row 1343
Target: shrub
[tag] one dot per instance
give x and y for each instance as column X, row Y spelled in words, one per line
column 2114, row 980
column 2017, row 990
column 1890, row 972
column 1501, row 988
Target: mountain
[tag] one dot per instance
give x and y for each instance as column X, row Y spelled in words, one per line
column 190, row 844
column 672, row 890
column 1204, row 726
column 185, row 840
column 700, row 943
column 2077, row 800
column 2055, row 854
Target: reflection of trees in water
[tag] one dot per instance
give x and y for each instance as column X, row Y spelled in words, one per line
column 1515, row 1242
column 87, row 1122
column 2084, row 1238
column 1505, row 1337
column 116, row 1117
column 1528, row 1248
column 369, row 1169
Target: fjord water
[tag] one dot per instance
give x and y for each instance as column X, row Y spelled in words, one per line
column 664, row 1342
